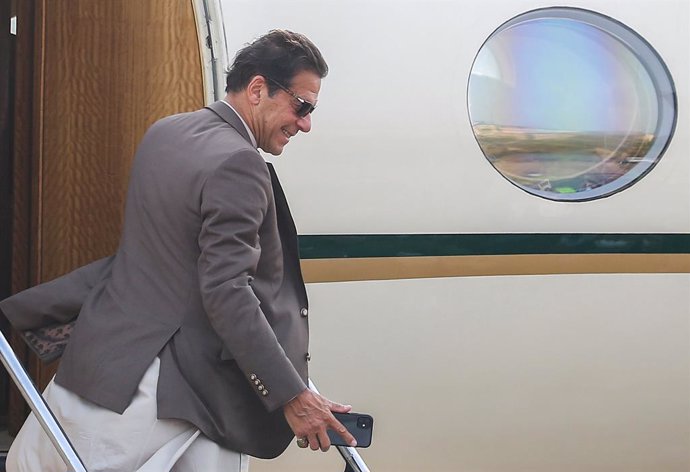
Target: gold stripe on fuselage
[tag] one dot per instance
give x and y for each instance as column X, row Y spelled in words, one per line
column 391, row 268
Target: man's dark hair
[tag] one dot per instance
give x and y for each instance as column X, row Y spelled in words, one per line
column 279, row 55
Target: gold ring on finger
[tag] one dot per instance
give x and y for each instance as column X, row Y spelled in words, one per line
column 302, row 442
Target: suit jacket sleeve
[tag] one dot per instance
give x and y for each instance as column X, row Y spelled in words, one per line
column 234, row 202
column 56, row 302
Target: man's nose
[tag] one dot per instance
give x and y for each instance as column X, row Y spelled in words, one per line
column 304, row 123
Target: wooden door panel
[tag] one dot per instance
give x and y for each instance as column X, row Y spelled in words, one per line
column 100, row 73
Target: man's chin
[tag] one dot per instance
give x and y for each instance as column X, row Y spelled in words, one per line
column 273, row 151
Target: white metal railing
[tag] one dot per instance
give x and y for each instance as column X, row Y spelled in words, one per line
column 39, row 407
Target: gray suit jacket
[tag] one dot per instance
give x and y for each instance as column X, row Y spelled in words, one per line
column 206, row 277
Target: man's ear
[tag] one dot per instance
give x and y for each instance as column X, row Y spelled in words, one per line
column 255, row 89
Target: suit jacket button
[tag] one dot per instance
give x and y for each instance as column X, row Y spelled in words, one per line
column 304, row 312
column 265, row 392
column 260, row 387
column 257, row 382
column 252, row 377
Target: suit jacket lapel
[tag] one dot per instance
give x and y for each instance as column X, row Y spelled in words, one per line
column 286, row 225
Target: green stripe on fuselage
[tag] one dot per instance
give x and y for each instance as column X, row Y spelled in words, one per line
column 407, row 245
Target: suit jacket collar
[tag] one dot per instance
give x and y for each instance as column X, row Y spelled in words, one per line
column 230, row 117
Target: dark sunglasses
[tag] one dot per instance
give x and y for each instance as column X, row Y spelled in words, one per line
column 305, row 107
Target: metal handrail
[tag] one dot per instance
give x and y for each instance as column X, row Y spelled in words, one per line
column 39, row 407
column 353, row 460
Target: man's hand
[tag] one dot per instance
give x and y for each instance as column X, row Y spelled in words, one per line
column 309, row 416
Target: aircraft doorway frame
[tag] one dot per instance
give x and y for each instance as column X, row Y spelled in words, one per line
column 8, row 45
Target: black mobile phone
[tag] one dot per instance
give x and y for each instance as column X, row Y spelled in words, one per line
column 358, row 424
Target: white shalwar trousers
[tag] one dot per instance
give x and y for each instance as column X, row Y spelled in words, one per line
column 136, row 441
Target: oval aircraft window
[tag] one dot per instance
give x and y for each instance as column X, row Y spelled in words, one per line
column 570, row 105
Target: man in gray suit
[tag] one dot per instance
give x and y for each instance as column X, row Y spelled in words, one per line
column 191, row 341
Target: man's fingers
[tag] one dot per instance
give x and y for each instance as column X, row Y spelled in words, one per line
column 324, row 441
column 310, row 415
column 337, row 407
column 338, row 427
column 314, row 442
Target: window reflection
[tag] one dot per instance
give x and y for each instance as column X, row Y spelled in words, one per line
column 570, row 105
